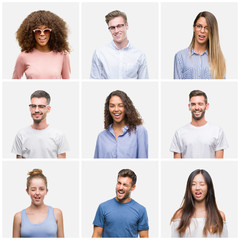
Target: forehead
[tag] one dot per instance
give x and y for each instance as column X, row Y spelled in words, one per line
column 37, row 181
column 202, row 21
column 39, row 101
column 115, row 21
column 197, row 99
column 199, row 178
column 126, row 180
column 115, row 100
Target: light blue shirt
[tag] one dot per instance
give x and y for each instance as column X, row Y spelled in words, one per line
column 191, row 65
column 110, row 62
column 134, row 145
column 121, row 220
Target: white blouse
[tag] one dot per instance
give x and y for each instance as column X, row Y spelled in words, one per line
column 195, row 229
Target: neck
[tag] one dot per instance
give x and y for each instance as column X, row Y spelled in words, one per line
column 200, row 48
column 40, row 126
column 122, row 44
column 43, row 48
column 37, row 207
column 118, row 126
column 198, row 123
column 200, row 209
column 125, row 200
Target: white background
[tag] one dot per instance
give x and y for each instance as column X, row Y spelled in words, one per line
column 177, row 29
column 99, row 186
column 223, row 110
column 63, row 191
column 63, row 115
column 142, row 32
column 94, row 95
column 174, row 175
column 13, row 16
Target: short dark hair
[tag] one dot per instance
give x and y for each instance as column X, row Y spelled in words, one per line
column 114, row 14
column 41, row 94
column 195, row 93
column 128, row 173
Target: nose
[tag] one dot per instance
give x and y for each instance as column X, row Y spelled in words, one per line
column 202, row 29
column 42, row 32
column 116, row 108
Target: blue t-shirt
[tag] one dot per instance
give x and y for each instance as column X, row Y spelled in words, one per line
column 121, row 219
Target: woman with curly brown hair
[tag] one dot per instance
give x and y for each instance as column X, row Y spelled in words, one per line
column 42, row 37
column 124, row 136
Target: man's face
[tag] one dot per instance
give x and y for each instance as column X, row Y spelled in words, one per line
column 39, row 109
column 198, row 107
column 123, row 189
column 118, row 28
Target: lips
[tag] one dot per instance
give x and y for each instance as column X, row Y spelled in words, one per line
column 201, row 37
column 117, row 115
column 198, row 194
column 121, row 193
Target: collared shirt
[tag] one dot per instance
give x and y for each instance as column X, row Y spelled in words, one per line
column 110, row 62
column 134, row 145
column 191, row 65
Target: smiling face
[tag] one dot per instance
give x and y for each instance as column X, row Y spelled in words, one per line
column 39, row 109
column 201, row 31
column 123, row 189
column 117, row 110
column 197, row 106
column 199, row 188
column 119, row 32
column 42, row 38
column 37, row 191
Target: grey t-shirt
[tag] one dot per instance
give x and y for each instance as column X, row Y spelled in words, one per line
column 46, row 143
column 199, row 142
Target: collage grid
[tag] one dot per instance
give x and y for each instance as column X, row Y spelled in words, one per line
column 79, row 183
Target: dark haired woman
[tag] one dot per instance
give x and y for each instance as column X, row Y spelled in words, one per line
column 124, row 136
column 42, row 37
column 203, row 59
column 38, row 220
column 199, row 215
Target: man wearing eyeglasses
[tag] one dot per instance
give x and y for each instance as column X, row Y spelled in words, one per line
column 40, row 140
column 119, row 59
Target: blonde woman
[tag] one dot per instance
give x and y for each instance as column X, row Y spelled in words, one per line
column 203, row 59
column 38, row 220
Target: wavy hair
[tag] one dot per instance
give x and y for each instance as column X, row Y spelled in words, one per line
column 58, row 36
column 215, row 55
column 132, row 117
column 214, row 221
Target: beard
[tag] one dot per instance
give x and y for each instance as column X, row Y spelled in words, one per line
column 200, row 117
column 125, row 196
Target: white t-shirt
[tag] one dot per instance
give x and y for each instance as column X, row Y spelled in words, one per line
column 46, row 143
column 199, row 142
column 195, row 229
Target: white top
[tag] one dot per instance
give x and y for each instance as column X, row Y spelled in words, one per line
column 199, row 142
column 110, row 62
column 46, row 143
column 195, row 229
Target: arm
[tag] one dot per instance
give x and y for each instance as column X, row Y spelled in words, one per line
column 143, row 234
column 59, row 219
column 96, row 67
column 19, row 156
column 143, row 70
column 66, row 69
column 19, row 67
column 97, row 232
column 177, row 67
column 61, row 155
column 177, row 155
column 219, row 154
column 17, row 225
column 142, row 141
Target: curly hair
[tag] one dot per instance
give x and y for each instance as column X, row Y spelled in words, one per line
column 132, row 116
column 58, row 37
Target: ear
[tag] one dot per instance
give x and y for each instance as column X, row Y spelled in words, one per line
column 193, row 28
column 127, row 25
column 47, row 190
column 133, row 187
column 49, row 108
column 207, row 106
column 27, row 192
column 189, row 107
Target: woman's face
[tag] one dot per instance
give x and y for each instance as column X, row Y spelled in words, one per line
column 199, row 188
column 42, row 36
column 117, row 109
column 37, row 191
column 201, row 31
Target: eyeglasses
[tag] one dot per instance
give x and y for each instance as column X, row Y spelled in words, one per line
column 119, row 27
column 33, row 106
column 200, row 27
column 44, row 31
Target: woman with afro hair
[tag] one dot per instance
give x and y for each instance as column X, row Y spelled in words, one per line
column 42, row 37
column 124, row 136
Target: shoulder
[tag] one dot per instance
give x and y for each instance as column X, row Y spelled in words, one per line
column 103, row 133
column 177, row 215
column 24, row 130
column 183, row 52
column 55, row 131
column 102, row 49
column 141, row 129
column 57, row 213
column 223, row 216
column 183, row 128
column 138, row 206
column 17, row 217
column 107, row 203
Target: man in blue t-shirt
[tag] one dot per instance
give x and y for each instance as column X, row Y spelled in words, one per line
column 121, row 216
